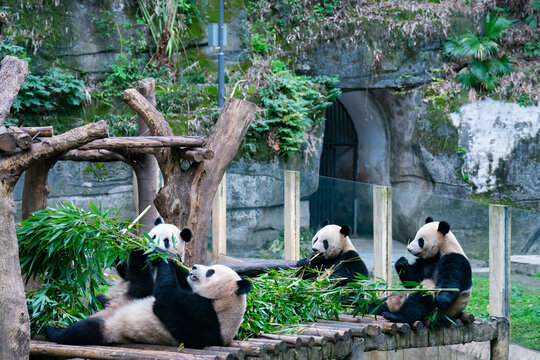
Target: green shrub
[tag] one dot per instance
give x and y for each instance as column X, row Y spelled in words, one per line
column 294, row 105
column 484, row 66
column 273, row 249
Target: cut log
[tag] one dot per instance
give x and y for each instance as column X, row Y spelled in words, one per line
column 13, row 72
column 254, row 268
column 36, row 187
column 14, row 139
column 96, row 156
column 41, row 348
column 39, row 131
column 121, row 143
column 250, row 348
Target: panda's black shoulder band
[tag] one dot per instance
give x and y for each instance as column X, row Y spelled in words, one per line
column 444, row 227
column 345, row 230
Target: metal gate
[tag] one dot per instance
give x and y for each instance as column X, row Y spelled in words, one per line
column 335, row 200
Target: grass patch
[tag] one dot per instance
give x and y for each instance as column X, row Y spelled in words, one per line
column 524, row 311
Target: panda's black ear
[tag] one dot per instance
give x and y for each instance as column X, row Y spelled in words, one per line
column 326, row 222
column 186, row 235
column 429, row 219
column 244, row 286
column 345, row 230
column 158, row 221
column 444, row 227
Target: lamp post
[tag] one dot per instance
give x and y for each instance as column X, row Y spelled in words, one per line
column 217, row 37
column 221, row 60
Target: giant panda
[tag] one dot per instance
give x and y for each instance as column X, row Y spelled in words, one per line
column 441, row 263
column 205, row 313
column 137, row 276
column 334, row 251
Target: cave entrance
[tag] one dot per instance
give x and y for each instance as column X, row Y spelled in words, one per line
column 339, row 160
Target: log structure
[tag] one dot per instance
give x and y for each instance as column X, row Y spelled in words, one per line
column 14, row 320
column 325, row 339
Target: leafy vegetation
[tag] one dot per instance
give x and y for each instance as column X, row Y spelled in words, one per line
column 294, row 105
column 524, row 310
column 484, row 66
column 280, row 299
column 66, row 249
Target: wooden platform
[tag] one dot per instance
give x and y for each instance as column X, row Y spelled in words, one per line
column 324, row 339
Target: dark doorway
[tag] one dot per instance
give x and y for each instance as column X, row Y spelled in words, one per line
column 335, row 198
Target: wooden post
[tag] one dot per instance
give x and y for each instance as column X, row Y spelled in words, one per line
column 382, row 233
column 219, row 220
column 499, row 260
column 500, row 346
column 292, row 215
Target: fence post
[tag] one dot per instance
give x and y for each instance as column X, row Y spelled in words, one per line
column 499, row 260
column 382, row 233
column 291, row 214
column 219, row 220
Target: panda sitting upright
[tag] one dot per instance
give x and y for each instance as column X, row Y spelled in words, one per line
column 440, row 263
column 334, row 251
column 207, row 311
column 137, row 276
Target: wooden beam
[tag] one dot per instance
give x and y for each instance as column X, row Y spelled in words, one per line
column 500, row 218
column 253, row 268
column 95, row 156
column 36, row 187
column 219, row 220
column 382, row 233
column 13, row 72
column 291, row 213
column 120, row 143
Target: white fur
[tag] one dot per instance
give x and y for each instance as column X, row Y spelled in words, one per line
column 161, row 232
column 337, row 242
column 221, row 287
column 434, row 242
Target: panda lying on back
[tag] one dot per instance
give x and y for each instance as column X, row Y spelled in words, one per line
column 207, row 311
column 440, row 263
column 334, row 250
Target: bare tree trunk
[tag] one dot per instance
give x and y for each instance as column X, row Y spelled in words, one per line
column 36, row 187
column 186, row 198
column 146, row 167
column 14, row 320
column 13, row 72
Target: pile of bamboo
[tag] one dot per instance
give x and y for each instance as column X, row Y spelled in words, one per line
column 325, row 339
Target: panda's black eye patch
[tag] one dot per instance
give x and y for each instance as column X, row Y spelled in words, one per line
column 166, row 242
column 421, row 242
column 325, row 243
column 154, row 237
column 315, row 240
column 210, row 272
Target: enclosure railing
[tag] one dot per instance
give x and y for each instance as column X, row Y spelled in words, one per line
column 483, row 230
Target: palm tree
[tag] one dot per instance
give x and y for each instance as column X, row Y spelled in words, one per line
column 484, row 67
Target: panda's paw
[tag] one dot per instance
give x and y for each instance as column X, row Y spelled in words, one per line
column 443, row 300
column 389, row 316
column 302, row 263
column 103, row 300
column 53, row 333
column 401, row 264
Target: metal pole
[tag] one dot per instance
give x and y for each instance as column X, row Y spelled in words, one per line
column 221, row 55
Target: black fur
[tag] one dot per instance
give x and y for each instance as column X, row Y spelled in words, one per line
column 429, row 219
column 244, row 286
column 345, row 230
column 186, row 235
column 190, row 318
column 417, row 306
column 418, row 271
column 451, row 271
column 158, row 221
column 444, row 227
column 84, row 332
column 345, row 267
